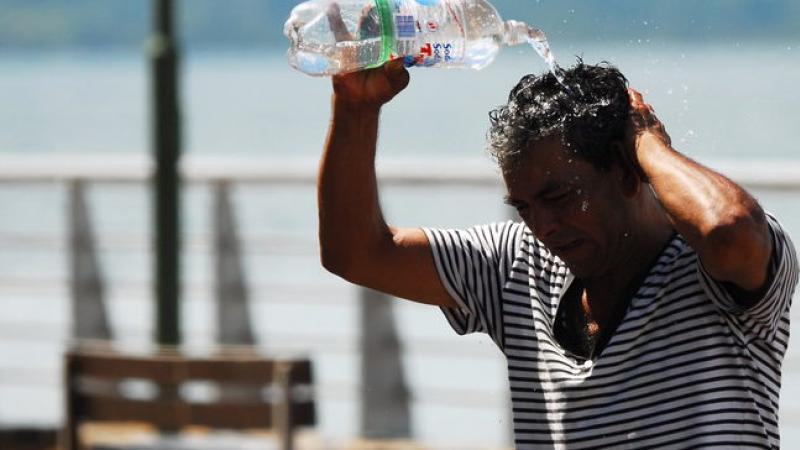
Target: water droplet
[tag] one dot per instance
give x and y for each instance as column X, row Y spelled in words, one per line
column 572, row 11
column 569, row 161
column 585, row 205
column 669, row 91
column 644, row 23
column 690, row 132
column 626, row 234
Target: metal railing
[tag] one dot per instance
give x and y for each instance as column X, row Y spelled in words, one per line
column 75, row 173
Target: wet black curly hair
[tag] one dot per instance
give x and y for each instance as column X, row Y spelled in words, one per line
column 589, row 111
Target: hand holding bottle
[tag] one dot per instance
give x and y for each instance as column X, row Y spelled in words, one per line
column 371, row 87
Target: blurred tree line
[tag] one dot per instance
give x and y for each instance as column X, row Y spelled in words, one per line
column 258, row 23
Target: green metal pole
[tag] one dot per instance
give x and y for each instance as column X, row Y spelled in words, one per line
column 166, row 144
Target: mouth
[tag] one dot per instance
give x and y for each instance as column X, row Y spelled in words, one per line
column 568, row 247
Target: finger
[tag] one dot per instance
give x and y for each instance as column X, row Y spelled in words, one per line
column 368, row 25
column 397, row 74
column 338, row 27
column 393, row 65
column 635, row 97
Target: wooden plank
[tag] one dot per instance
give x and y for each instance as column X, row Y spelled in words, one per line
column 158, row 369
column 175, row 414
column 232, row 370
column 179, row 414
column 162, row 414
column 175, row 369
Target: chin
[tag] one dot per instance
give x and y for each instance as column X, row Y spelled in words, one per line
column 579, row 272
column 582, row 269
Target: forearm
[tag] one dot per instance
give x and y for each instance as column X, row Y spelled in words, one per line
column 350, row 217
column 719, row 219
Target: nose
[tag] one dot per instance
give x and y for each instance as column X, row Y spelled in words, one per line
column 545, row 223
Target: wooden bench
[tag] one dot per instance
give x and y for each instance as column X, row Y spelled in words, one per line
column 98, row 389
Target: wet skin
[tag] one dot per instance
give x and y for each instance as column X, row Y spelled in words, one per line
column 579, row 212
column 594, row 220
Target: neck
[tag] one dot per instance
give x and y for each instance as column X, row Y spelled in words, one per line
column 638, row 252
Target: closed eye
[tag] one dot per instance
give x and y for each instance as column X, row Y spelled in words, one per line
column 559, row 196
column 516, row 204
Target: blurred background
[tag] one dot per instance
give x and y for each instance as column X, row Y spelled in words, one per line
column 76, row 146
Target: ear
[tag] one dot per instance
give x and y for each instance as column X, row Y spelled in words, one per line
column 631, row 177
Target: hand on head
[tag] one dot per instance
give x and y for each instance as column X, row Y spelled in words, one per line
column 642, row 123
column 644, row 120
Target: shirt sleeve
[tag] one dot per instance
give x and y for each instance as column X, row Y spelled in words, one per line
column 763, row 318
column 473, row 265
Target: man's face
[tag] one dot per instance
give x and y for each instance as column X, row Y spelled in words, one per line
column 577, row 211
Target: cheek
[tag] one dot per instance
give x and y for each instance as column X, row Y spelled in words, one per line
column 591, row 218
column 582, row 207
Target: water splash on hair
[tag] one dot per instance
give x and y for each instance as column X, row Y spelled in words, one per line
column 538, row 40
column 517, row 31
column 586, row 117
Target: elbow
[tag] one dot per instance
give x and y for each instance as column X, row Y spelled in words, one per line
column 735, row 225
column 355, row 257
column 334, row 260
column 739, row 239
column 341, row 262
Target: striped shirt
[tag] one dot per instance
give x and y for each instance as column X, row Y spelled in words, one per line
column 686, row 367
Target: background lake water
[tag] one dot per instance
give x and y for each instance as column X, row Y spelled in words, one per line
column 718, row 102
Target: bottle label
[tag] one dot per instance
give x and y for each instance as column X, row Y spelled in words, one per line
column 428, row 32
column 405, row 26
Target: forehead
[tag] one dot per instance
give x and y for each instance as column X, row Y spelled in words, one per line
column 548, row 164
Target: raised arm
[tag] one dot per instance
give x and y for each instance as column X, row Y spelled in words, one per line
column 720, row 220
column 355, row 241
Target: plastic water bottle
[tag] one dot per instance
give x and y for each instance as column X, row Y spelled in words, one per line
column 336, row 36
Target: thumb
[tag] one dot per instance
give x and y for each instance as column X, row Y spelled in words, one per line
column 397, row 74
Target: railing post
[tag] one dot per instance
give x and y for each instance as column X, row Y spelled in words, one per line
column 385, row 409
column 89, row 318
column 233, row 315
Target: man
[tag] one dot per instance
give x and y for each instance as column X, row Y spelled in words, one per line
column 642, row 302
